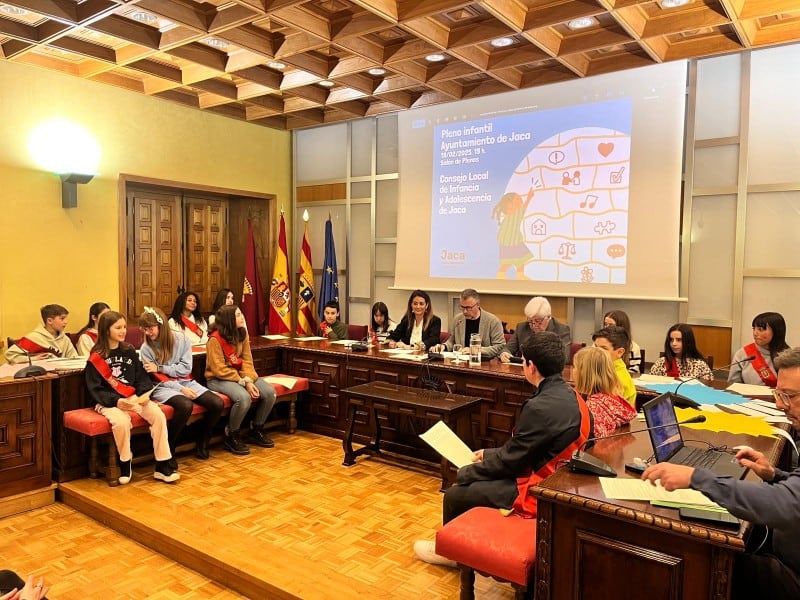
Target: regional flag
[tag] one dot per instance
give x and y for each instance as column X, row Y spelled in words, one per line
column 280, row 296
column 330, row 273
column 252, row 294
column 306, row 322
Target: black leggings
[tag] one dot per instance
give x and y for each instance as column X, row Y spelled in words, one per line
column 183, row 406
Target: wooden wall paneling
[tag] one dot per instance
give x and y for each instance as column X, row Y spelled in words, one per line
column 714, row 341
column 206, row 247
column 321, row 192
column 154, row 250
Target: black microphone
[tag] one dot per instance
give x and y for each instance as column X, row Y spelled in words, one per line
column 31, row 370
column 581, row 462
column 683, row 401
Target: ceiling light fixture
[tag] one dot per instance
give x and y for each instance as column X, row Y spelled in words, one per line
column 13, row 10
column 216, row 43
column 673, row 3
column 502, row 42
column 144, row 17
column 377, row 71
column 327, row 83
column 435, row 57
column 276, row 64
column 581, row 23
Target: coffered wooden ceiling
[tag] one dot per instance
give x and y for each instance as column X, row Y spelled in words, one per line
column 266, row 61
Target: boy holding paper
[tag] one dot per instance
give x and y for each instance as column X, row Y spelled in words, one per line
column 551, row 426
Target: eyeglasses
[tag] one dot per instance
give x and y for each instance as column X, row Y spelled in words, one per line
column 469, row 307
column 785, row 397
column 539, row 321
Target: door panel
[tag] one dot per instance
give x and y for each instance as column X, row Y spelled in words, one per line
column 206, row 248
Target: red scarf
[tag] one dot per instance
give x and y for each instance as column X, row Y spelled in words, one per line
column 525, row 504
column 32, row 347
column 761, row 367
column 192, row 326
column 672, row 368
column 229, row 351
column 102, row 367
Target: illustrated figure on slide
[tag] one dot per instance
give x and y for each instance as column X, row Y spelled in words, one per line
column 514, row 253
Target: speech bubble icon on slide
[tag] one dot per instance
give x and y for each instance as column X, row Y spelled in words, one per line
column 616, row 250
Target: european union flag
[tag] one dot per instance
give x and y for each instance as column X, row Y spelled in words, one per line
column 330, row 275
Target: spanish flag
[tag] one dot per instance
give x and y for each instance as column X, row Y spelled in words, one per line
column 280, row 296
column 306, row 323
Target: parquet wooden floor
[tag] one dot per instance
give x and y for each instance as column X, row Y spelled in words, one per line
column 284, row 522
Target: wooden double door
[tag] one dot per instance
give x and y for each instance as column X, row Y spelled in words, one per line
column 179, row 240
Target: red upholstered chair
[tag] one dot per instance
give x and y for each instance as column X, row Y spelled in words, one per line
column 134, row 337
column 484, row 540
column 508, row 336
column 573, row 350
column 444, row 336
column 356, row 332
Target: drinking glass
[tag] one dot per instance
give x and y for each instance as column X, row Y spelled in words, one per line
column 457, row 353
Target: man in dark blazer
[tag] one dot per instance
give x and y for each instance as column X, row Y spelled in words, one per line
column 539, row 318
column 548, row 424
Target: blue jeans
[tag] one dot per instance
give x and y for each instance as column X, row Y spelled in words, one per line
column 241, row 401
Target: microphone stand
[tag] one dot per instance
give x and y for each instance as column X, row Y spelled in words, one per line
column 581, row 462
column 31, row 370
column 683, row 401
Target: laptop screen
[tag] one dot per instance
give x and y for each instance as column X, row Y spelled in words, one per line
column 666, row 440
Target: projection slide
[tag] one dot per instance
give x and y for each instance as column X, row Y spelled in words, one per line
column 539, row 195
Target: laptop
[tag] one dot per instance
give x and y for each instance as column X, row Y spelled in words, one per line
column 668, row 443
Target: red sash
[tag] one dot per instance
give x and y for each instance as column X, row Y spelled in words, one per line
column 525, row 504
column 760, row 365
column 92, row 335
column 229, row 351
column 672, row 368
column 194, row 327
column 162, row 377
column 102, row 367
column 32, row 347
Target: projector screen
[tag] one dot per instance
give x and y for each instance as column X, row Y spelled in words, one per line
column 567, row 189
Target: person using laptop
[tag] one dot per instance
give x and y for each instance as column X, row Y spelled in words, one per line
column 773, row 569
column 474, row 319
column 551, row 426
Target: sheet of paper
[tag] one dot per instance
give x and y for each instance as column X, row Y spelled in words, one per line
column 725, row 421
column 709, row 408
column 64, row 364
column 442, row 439
column 647, row 378
column 397, row 350
column 309, row 338
column 285, row 381
column 636, row 489
column 417, row 357
column 785, row 434
column 765, row 410
column 275, row 336
column 748, row 389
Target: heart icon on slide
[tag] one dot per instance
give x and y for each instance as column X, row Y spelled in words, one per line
column 605, row 149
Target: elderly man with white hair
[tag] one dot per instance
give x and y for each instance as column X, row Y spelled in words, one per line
column 538, row 318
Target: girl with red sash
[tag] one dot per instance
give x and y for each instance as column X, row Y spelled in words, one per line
column 230, row 371
column 115, row 382
column 769, row 339
column 595, row 379
column 167, row 358
column 187, row 318
column 87, row 337
column 681, row 356
column 551, row 425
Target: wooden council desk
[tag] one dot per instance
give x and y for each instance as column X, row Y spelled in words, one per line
column 427, row 406
column 593, row 548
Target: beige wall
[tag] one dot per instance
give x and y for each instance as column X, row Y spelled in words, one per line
column 69, row 256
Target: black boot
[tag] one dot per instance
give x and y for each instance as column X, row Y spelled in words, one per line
column 257, row 437
column 201, row 451
column 234, row 443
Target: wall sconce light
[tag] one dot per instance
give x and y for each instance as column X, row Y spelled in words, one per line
column 69, row 188
column 67, row 149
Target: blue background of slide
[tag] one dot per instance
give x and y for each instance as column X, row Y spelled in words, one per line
column 465, row 244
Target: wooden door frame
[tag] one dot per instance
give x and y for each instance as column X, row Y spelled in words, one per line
column 126, row 180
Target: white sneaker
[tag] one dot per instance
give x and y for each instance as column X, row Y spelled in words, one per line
column 426, row 551
column 125, row 471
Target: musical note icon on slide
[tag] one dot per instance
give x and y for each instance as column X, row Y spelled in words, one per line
column 590, row 199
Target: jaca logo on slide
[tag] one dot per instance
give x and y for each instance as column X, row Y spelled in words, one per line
column 452, row 257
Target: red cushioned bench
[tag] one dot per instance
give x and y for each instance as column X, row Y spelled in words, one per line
column 486, row 541
column 98, row 429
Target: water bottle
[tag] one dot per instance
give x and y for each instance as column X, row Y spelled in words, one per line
column 475, row 349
